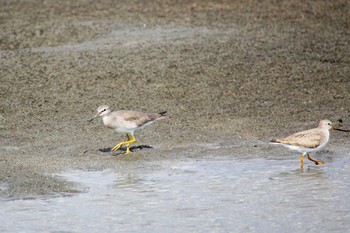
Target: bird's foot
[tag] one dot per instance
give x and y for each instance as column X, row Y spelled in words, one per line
column 319, row 162
column 314, row 160
column 127, row 151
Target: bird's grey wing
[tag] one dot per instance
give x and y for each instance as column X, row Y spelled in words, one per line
column 140, row 118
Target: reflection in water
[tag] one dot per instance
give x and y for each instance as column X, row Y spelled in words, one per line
column 195, row 196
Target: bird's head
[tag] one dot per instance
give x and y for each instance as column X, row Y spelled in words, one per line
column 101, row 111
column 326, row 124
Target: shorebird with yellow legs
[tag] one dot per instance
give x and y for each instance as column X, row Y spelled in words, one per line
column 125, row 121
column 309, row 140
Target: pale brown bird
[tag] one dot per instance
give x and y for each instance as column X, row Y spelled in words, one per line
column 309, row 140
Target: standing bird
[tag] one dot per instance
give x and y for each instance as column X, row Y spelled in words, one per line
column 309, row 140
column 128, row 122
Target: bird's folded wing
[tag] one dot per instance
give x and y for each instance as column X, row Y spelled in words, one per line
column 308, row 139
column 139, row 118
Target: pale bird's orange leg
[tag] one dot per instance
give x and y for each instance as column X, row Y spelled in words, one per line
column 314, row 160
column 302, row 161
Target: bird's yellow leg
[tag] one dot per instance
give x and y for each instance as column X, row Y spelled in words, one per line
column 302, row 161
column 314, row 160
column 118, row 146
column 122, row 143
column 133, row 140
column 127, row 143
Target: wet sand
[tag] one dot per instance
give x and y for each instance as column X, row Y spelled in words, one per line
column 231, row 74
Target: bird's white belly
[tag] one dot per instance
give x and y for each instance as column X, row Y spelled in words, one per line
column 125, row 130
column 302, row 149
column 298, row 148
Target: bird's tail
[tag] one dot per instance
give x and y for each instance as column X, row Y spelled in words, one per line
column 162, row 115
column 274, row 140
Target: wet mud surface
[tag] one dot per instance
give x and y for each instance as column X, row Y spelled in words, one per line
column 232, row 75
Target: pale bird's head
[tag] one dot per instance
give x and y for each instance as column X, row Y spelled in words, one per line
column 326, row 124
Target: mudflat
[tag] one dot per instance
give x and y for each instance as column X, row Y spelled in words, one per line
column 231, row 74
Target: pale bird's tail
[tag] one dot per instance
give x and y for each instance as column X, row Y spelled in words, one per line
column 274, row 140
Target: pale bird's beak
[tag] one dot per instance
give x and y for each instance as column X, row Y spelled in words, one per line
column 343, row 130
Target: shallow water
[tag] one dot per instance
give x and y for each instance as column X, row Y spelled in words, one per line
column 247, row 195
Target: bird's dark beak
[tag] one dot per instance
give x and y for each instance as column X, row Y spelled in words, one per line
column 343, row 130
column 93, row 118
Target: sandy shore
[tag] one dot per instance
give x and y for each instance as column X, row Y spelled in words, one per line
column 231, row 74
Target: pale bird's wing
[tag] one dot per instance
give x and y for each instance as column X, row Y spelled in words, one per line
column 139, row 118
column 309, row 139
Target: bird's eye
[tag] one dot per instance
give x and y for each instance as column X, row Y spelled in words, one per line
column 329, row 123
